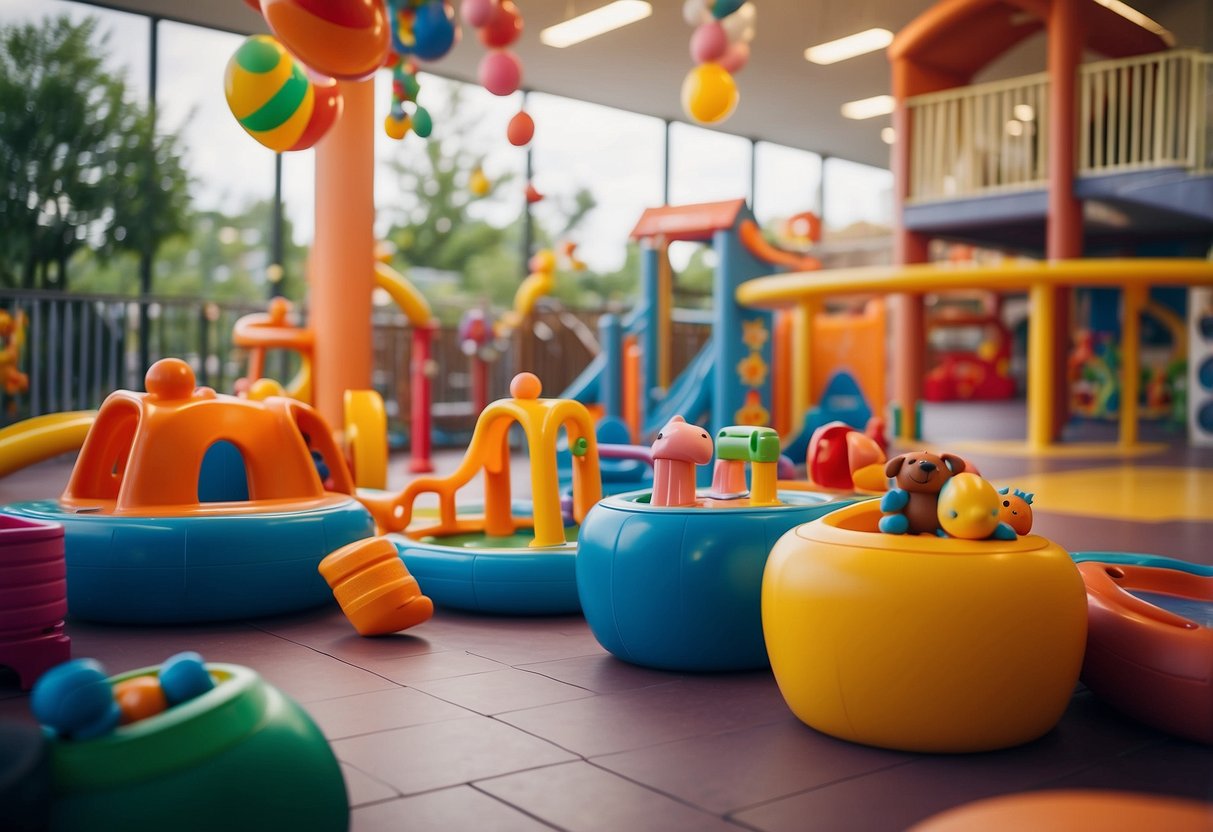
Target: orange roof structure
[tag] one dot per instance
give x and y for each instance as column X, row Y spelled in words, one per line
column 688, row 222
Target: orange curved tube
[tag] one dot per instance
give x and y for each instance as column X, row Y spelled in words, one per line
column 757, row 245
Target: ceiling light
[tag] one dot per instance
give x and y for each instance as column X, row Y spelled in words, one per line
column 888, row 135
column 851, row 46
column 1134, row 16
column 877, row 105
column 594, row 23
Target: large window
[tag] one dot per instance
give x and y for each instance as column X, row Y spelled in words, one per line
column 858, row 198
column 706, row 166
column 588, row 155
column 787, row 181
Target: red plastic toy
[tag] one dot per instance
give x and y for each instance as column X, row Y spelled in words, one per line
column 33, row 597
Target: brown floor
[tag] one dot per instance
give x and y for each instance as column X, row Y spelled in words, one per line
column 484, row 723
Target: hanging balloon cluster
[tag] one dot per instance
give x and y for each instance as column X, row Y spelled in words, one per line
column 283, row 89
column 424, row 30
column 499, row 24
column 721, row 47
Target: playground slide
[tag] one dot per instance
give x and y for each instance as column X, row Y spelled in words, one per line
column 584, row 388
column 411, row 302
column 42, row 437
column 690, row 396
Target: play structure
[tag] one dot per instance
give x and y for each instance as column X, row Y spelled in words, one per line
column 756, row 369
column 362, row 412
column 502, row 560
column 191, row 734
column 670, row 577
column 1150, row 645
column 186, row 505
column 919, row 642
column 970, row 352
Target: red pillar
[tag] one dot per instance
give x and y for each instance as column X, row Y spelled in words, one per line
column 1064, row 224
column 421, row 416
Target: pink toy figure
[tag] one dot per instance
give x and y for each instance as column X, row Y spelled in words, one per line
column 33, row 598
column 679, row 448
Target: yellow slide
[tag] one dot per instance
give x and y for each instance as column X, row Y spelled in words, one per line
column 42, row 437
column 411, row 302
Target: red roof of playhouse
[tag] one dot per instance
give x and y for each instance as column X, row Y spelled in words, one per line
column 688, row 222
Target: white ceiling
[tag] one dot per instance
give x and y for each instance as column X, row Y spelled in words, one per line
column 784, row 98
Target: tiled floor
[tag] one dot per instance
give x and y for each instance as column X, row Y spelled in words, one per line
column 483, row 723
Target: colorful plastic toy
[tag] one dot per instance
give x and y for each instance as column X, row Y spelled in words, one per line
column 842, row 458
column 75, row 700
column 373, row 587
column 184, row 677
column 677, row 586
column 970, row 509
column 1055, row 811
column 1150, row 644
column 142, row 547
column 911, row 506
column 171, row 769
column 33, row 597
column 922, row 643
column 1016, row 510
column 678, row 449
column 139, row 698
column 500, row 561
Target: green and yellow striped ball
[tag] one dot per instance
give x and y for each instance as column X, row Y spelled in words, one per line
column 269, row 93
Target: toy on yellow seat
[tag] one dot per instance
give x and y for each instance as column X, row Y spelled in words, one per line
column 922, row 643
column 1016, row 509
column 970, row 508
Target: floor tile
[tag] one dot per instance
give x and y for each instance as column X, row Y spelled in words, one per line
column 662, row 713
column 501, row 690
column 601, row 673
column 580, row 797
column 451, row 810
column 1176, row 767
column 447, row 753
column 382, row 710
column 407, row 670
column 362, row 788
column 725, row 772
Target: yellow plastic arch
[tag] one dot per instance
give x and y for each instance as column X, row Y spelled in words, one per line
column 42, row 437
column 366, row 437
column 405, row 295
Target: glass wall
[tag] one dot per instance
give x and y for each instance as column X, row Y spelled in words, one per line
column 706, row 165
column 787, row 181
column 858, row 198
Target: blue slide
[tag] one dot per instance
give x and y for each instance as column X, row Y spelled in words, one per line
column 690, row 396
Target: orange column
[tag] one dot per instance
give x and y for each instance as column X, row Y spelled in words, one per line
column 341, row 268
column 1064, row 229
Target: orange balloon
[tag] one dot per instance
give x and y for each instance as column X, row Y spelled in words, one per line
column 709, row 94
column 346, row 40
column 521, row 129
column 139, row 697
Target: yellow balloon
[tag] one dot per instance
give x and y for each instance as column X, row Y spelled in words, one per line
column 709, row 94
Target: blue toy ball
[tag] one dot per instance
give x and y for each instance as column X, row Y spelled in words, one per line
column 183, row 677
column 75, row 700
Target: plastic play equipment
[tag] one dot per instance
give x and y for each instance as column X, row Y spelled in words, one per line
column 678, row 587
column 922, row 643
column 33, row 598
column 804, row 290
column 158, row 532
column 501, row 561
column 979, row 372
column 1150, row 644
column 12, row 342
column 170, row 769
column 40, row 438
column 262, row 331
column 737, row 375
column 375, row 591
column 1059, row 811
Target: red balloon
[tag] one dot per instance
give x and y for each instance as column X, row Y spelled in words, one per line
column 521, row 129
column 500, row 72
column 326, row 111
column 503, row 27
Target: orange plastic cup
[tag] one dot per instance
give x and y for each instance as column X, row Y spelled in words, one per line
column 373, row 587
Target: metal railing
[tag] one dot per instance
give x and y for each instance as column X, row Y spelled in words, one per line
column 1145, row 112
column 80, row 347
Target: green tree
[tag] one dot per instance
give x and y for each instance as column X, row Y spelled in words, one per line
column 81, row 164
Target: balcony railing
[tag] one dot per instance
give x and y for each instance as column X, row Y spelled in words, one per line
column 1146, row 112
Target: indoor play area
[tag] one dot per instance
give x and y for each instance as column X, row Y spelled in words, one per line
column 870, row 507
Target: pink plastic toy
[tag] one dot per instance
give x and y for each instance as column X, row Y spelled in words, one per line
column 679, row 448
column 33, row 598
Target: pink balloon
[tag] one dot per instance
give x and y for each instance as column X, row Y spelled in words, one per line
column 709, row 42
column 477, row 12
column 736, row 57
column 500, row 72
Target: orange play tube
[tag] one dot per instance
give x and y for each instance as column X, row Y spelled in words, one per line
column 751, row 237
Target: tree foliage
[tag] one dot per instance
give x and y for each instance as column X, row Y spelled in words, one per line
column 81, row 164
